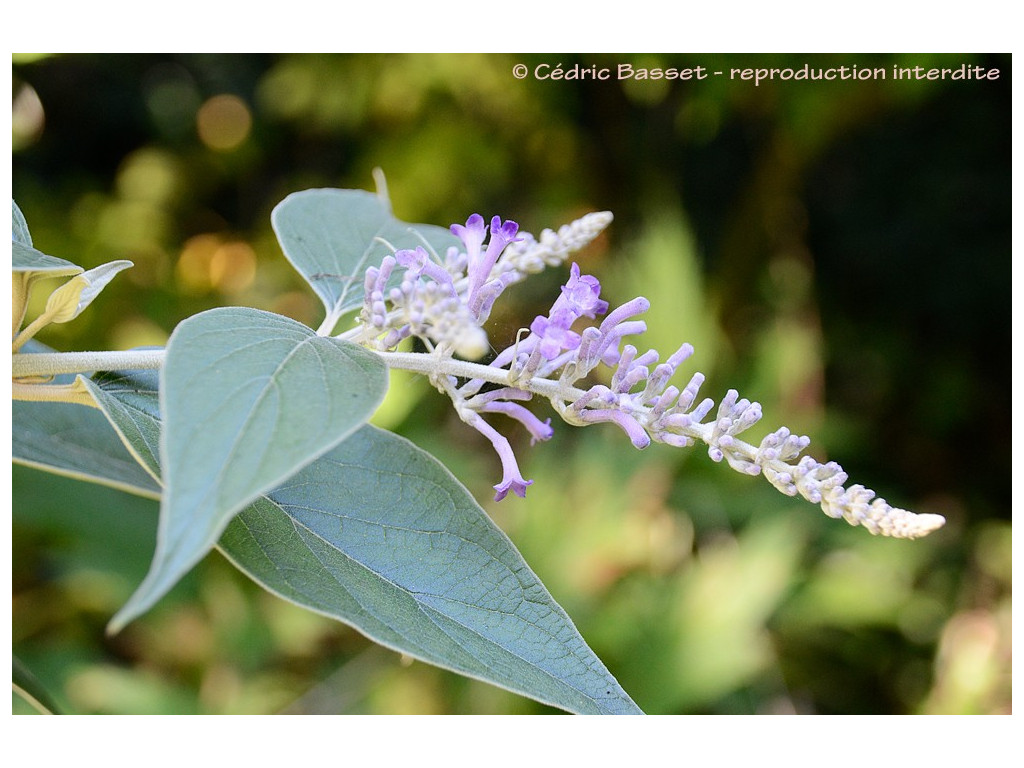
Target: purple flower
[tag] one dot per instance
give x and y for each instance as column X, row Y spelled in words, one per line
column 471, row 235
column 501, row 235
column 480, row 264
column 599, row 395
column 579, row 298
column 617, row 325
column 497, row 401
column 515, row 484
column 553, row 333
column 512, row 478
column 582, row 294
column 485, row 297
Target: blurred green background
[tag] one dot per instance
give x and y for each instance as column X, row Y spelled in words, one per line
column 838, row 251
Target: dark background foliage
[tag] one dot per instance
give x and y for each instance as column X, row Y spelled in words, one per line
column 839, row 251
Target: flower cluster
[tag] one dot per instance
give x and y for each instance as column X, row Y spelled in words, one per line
column 445, row 302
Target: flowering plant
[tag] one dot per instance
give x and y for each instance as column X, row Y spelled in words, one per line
column 251, row 429
column 445, row 302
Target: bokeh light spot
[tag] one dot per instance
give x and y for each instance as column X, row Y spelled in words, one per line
column 27, row 116
column 148, row 175
column 223, row 122
column 193, row 267
column 208, row 262
column 233, row 267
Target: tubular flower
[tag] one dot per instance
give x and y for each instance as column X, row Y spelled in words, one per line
column 512, row 478
column 480, row 264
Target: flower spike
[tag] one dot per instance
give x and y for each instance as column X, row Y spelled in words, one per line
column 446, row 304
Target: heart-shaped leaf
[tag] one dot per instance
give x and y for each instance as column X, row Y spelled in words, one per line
column 248, row 398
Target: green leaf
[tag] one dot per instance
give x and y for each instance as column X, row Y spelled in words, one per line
column 78, row 442
column 378, row 534
column 332, row 235
column 248, row 398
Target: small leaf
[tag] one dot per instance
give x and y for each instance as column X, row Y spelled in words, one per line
column 378, row 534
column 248, row 398
column 25, row 258
column 332, row 235
column 19, row 227
column 70, row 300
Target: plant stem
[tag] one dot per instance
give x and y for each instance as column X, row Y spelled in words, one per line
column 31, row 330
column 19, row 303
column 57, row 363
column 433, row 365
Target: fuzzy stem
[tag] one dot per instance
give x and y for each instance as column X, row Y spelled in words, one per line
column 433, row 365
column 31, row 330
column 57, row 363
